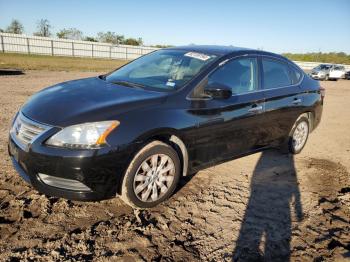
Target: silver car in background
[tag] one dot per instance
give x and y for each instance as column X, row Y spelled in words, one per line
column 321, row 72
column 328, row 72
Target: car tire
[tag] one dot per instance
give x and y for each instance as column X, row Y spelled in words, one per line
column 147, row 182
column 287, row 147
column 299, row 135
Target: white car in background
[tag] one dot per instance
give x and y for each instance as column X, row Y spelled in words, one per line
column 336, row 72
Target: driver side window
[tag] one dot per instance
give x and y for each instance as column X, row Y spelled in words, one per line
column 238, row 74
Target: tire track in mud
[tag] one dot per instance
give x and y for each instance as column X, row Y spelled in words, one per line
column 199, row 223
column 329, row 221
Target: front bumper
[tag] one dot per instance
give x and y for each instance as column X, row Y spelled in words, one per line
column 317, row 77
column 100, row 170
column 335, row 77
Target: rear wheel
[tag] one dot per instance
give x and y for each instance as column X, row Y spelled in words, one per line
column 299, row 135
column 152, row 176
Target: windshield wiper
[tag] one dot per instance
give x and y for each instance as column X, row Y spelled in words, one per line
column 127, row 83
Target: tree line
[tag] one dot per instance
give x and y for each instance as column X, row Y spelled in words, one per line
column 44, row 28
column 332, row 57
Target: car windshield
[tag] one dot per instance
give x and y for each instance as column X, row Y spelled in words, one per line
column 163, row 69
column 322, row 67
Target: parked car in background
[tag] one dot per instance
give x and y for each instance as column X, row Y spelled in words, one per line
column 321, row 72
column 135, row 131
column 337, row 72
column 347, row 75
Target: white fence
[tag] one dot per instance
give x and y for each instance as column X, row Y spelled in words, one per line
column 62, row 47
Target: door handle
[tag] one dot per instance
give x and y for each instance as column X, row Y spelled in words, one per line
column 296, row 101
column 255, row 109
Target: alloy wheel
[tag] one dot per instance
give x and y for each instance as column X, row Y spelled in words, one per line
column 154, row 177
column 300, row 135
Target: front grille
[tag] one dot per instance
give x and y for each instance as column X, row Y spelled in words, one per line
column 24, row 131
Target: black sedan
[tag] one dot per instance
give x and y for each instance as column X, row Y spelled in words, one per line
column 135, row 131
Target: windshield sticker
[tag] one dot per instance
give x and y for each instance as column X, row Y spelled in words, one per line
column 199, row 56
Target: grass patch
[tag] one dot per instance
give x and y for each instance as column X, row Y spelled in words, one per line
column 57, row 63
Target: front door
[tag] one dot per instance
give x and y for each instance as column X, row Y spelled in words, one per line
column 229, row 127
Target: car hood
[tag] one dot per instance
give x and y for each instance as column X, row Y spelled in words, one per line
column 86, row 100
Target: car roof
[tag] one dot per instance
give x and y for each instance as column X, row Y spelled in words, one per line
column 222, row 50
column 210, row 49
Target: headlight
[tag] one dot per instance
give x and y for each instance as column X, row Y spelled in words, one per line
column 321, row 73
column 88, row 135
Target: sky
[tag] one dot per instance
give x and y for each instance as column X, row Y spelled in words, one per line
column 294, row 26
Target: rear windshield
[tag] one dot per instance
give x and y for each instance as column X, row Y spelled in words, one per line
column 163, row 69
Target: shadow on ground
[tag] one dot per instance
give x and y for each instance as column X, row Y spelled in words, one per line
column 265, row 232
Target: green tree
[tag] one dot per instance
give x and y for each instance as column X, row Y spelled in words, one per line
column 15, row 27
column 133, row 41
column 162, row 46
column 43, row 28
column 90, row 38
column 70, row 33
column 110, row 37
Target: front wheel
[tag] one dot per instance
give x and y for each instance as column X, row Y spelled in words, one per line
column 299, row 135
column 152, row 176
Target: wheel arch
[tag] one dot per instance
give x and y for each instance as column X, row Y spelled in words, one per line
column 172, row 138
column 310, row 115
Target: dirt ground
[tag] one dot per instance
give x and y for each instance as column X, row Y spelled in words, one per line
column 264, row 207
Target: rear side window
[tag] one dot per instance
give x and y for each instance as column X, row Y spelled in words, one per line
column 295, row 75
column 341, row 68
column 276, row 74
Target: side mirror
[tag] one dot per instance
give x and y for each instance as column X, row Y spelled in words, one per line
column 218, row 91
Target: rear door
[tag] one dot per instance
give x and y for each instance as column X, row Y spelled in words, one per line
column 337, row 72
column 283, row 97
column 229, row 127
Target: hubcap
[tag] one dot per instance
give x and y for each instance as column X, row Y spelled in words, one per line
column 154, row 177
column 300, row 135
